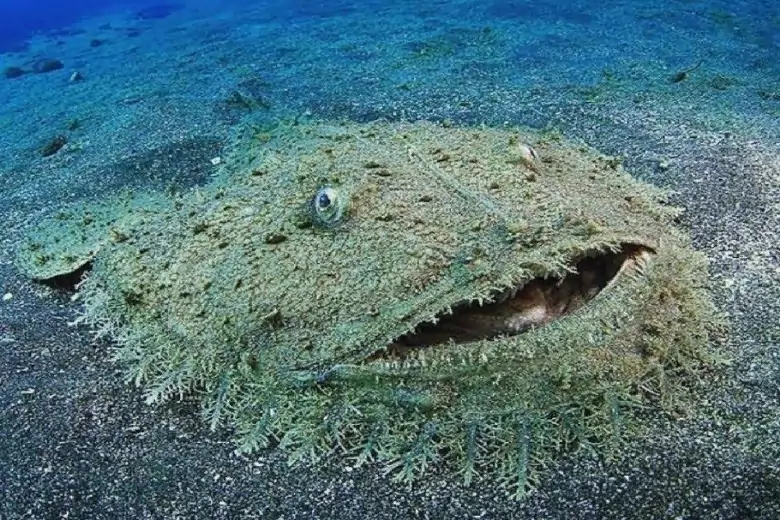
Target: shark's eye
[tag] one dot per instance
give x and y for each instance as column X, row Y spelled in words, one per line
column 328, row 206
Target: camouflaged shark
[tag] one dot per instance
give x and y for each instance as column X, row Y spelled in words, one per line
column 418, row 294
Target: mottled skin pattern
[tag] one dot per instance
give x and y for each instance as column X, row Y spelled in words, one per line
column 282, row 292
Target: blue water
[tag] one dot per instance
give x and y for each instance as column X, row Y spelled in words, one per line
column 21, row 19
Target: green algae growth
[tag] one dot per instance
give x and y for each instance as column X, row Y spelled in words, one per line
column 405, row 293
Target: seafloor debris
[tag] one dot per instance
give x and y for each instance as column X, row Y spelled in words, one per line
column 682, row 75
column 13, row 72
column 54, row 145
column 46, row 65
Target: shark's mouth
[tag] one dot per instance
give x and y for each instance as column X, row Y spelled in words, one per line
column 530, row 305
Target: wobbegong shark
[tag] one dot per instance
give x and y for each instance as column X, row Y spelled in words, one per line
column 406, row 293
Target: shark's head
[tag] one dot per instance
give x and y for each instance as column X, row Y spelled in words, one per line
column 408, row 291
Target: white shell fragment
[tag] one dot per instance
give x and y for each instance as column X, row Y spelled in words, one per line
column 528, row 156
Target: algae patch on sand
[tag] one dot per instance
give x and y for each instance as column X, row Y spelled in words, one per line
column 407, row 293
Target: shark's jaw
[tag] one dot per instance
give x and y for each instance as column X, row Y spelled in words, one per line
column 529, row 305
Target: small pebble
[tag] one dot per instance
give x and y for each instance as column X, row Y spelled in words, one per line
column 216, row 160
column 275, row 238
column 528, row 155
column 7, row 296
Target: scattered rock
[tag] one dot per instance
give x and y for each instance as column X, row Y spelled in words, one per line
column 248, row 96
column 96, row 42
column 156, row 12
column 13, row 72
column 723, row 82
column 54, row 146
column 46, row 65
column 246, row 101
column 275, row 238
column 769, row 95
column 527, row 156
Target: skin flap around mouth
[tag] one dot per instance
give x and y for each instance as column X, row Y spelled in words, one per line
column 526, row 306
